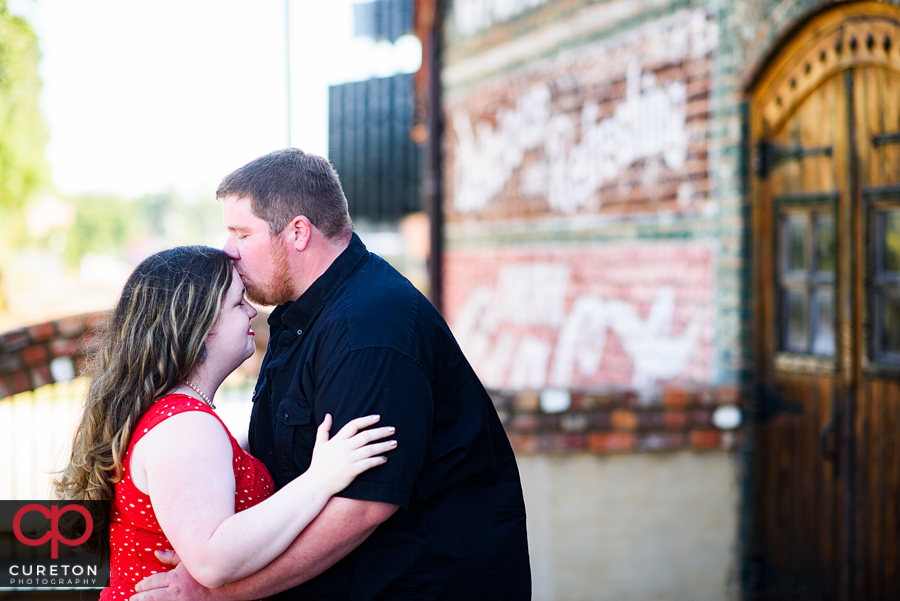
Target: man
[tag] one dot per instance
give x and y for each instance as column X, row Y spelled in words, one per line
column 444, row 518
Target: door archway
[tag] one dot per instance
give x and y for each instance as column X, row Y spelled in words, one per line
column 825, row 133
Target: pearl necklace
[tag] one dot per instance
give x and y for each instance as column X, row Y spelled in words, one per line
column 206, row 399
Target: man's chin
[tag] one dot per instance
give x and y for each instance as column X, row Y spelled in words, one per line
column 264, row 298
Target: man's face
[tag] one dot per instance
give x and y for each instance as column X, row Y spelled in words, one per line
column 260, row 258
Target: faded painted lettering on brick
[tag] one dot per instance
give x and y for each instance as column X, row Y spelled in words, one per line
column 625, row 314
column 624, row 128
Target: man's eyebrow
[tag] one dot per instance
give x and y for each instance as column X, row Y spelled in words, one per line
column 237, row 228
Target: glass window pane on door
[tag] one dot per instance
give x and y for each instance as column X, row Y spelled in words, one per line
column 889, row 242
column 889, row 325
column 797, row 321
column 885, row 289
column 824, row 250
column 795, row 244
column 823, row 325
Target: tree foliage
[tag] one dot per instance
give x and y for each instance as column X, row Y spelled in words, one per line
column 23, row 133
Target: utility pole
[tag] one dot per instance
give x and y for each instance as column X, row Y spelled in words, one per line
column 287, row 62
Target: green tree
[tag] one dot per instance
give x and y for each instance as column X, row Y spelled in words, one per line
column 103, row 224
column 23, row 133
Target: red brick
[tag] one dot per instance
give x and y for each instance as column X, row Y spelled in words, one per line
column 701, row 418
column 11, row 363
column 524, row 422
column 706, row 439
column 675, row 419
column 600, row 420
column 624, row 420
column 41, row 332
column 20, row 382
column 629, row 398
column 81, row 365
column 70, row 327
column 602, row 400
column 707, row 396
column 524, row 443
column 97, row 321
column 561, row 443
column 579, row 401
column 728, row 395
column 89, row 343
column 606, row 442
column 548, row 423
column 573, row 422
column 14, row 340
column 660, row 441
column 62, row 347
column 675, row 398
column 35, row 355
column 527, row 400
column 651, row 420
column 41, row 376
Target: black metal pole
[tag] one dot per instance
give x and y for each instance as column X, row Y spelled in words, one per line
column 287, row 62
column 435, row 163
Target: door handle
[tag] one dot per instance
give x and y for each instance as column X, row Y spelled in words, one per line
column 829, row 451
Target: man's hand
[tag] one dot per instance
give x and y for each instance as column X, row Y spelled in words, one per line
column 173, row 585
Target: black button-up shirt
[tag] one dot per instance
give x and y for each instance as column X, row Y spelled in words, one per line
column 363, row 340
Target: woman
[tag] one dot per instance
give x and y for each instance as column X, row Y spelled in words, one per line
column 150, row 441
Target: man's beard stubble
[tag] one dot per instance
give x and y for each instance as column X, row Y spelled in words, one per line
column 279, row 290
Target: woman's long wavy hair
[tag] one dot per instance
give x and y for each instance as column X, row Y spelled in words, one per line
column 156, row 338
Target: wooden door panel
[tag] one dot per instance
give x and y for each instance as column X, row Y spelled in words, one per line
column 828, row 521
column 797, row 507
column 877, row 423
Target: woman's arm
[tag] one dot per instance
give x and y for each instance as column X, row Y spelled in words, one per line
column 187, row 464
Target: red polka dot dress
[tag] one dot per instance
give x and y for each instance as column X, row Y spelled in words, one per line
column 134, row 533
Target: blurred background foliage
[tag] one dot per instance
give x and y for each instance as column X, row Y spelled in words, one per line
column 23, row 133
column 61, row 255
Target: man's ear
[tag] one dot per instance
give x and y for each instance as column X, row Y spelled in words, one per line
column 299, row 232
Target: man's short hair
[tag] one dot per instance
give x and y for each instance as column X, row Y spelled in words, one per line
column 290, row 182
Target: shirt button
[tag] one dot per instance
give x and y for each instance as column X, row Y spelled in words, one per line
column 299, row 332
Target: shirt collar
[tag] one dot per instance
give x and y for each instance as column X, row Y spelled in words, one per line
column 299, row 314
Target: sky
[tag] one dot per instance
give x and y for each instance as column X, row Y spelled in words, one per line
column 142, row 96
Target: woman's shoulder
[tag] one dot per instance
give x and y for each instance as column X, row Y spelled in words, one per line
column 167, row 406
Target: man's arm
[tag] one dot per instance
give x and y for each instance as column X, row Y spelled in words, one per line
column 341, row 527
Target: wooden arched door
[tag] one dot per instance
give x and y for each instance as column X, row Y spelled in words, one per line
column 825, row 129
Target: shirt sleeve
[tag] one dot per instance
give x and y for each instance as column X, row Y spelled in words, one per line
column 385, row 382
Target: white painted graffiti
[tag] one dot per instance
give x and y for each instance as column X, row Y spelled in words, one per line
column 472, row 16
column 650, row 122
column 507, row 358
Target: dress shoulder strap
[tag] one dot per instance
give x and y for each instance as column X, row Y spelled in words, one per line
column 163, row 409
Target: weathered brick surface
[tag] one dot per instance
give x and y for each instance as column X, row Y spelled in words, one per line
column 41, row 332
column 26, row 353
column 607, row 442
column 622, row 425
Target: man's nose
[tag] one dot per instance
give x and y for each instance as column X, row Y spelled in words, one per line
column 230, row 248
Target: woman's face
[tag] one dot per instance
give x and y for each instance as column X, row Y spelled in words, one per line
column 230, row 341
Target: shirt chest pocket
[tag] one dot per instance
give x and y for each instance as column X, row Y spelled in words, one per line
column 295, row 436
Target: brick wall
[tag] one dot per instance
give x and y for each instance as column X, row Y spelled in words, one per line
column 37, row 355
column 618, row 421
column 596, row 239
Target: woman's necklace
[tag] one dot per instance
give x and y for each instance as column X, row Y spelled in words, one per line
column 193, row 387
